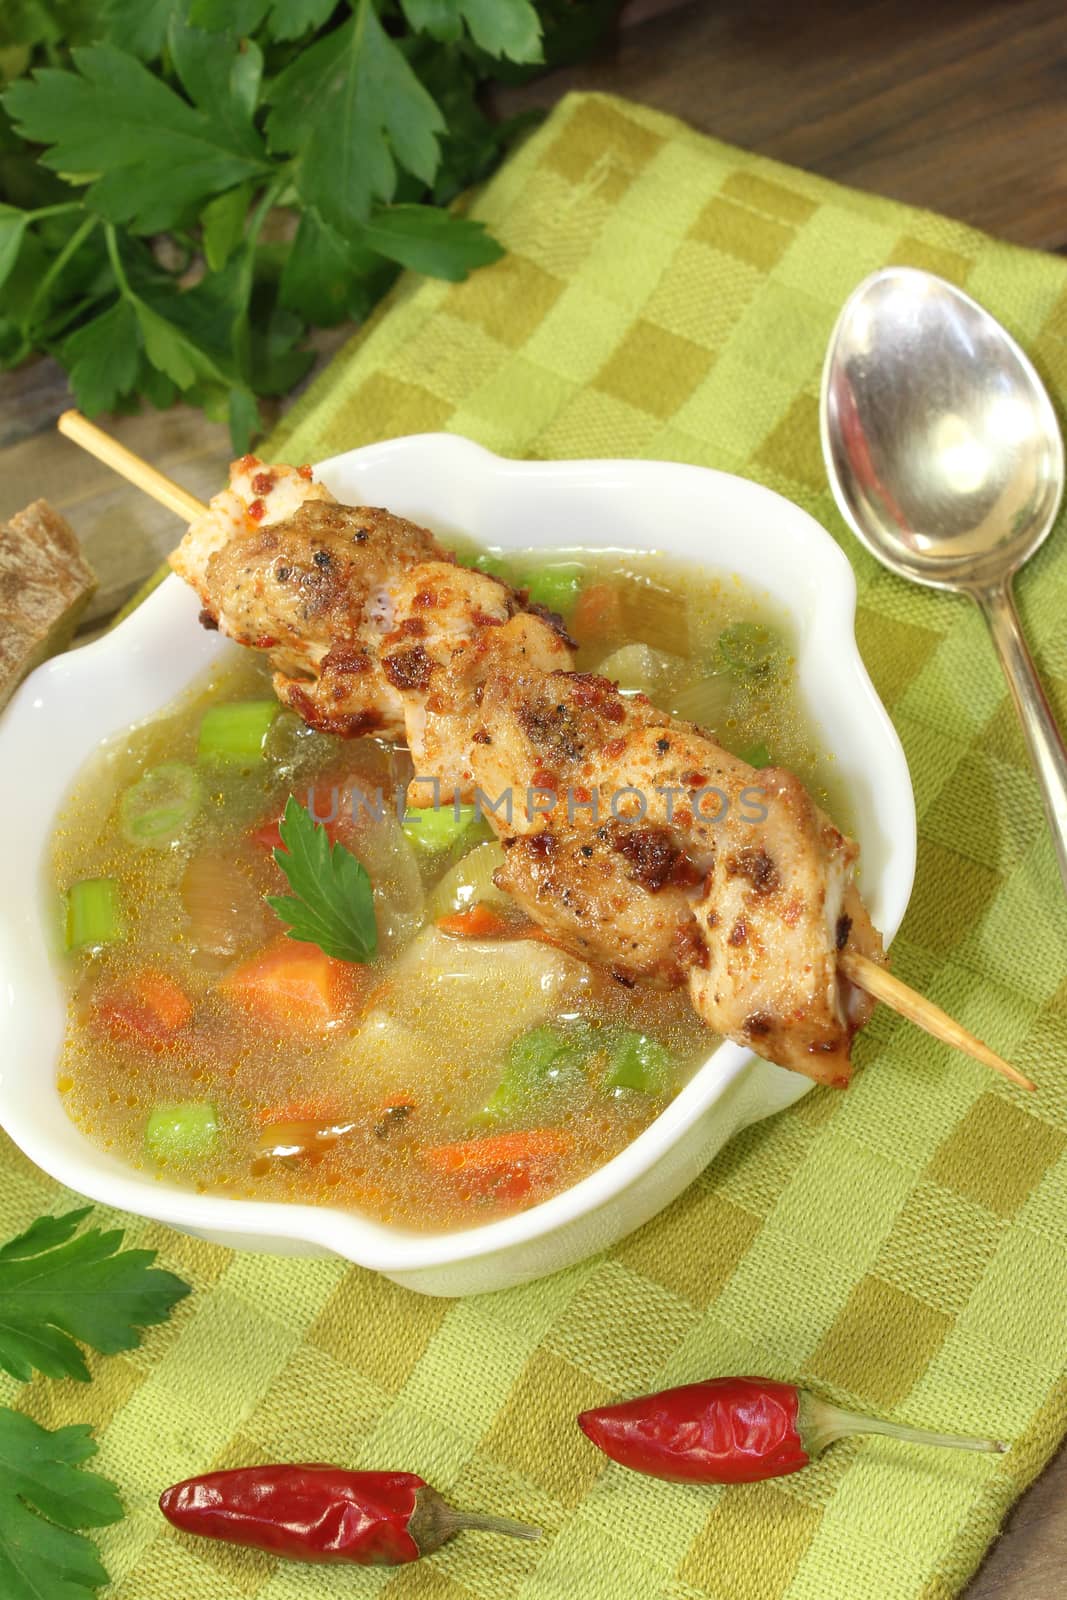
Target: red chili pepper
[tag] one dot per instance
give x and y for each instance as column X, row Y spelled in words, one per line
column 736, row 1430
column 321, row 1513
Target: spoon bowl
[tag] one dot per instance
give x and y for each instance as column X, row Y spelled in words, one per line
column 946, row 460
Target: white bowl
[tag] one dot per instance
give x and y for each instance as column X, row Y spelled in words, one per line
column 70, row 704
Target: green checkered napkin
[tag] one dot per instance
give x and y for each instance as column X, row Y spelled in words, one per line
column 902, row 1245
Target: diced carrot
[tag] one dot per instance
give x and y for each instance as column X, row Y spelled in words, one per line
column 598, row 613
column 506, row 1166
column 293, row 983
column 478, row 921
column 150, row 1008
column 267, row 833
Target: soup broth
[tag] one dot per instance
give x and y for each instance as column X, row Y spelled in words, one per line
column 471, row 1068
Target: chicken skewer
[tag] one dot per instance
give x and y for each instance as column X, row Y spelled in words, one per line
column 372, row 628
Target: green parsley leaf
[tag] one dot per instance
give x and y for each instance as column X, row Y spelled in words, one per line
column 332, row 904
column 103, row 358
column 351, row 109
column 509, row 28
column 151, row 156
column 139, row 26
column 286, row 19
column 228, row 16
column 57, row 1285
column 222, row 222
column 221, row 76
column 291, row 19
column 44, row 1499
column 173, row 352
column 430, row 240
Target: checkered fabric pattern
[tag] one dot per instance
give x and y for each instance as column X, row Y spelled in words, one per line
column 901, row 1246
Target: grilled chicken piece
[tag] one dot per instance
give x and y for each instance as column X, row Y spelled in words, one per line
column 453, row 627
column 368, row 622
column 632, row 838
column 669, row 860
column 258, row 495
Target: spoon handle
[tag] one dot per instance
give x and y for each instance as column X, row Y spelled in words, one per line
column 1043, row 738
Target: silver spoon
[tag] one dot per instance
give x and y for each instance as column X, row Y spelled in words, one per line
column 945, row 458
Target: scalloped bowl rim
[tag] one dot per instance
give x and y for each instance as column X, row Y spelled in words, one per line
column 425, row 471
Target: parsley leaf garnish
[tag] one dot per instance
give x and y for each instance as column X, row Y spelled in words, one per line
column 58, row 1286
column 332, row 903
column 44, row 1499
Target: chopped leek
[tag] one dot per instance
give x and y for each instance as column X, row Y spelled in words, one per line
column 470, row 881
column 638, row 1062
column 157, row 809
column 750, row 649
column 757, row 755
column 182, row 1132
column 94, row 914
column 638, row 669
column 708, row 702
column 236, row 731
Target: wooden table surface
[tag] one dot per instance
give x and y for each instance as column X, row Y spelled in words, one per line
column 957, row 105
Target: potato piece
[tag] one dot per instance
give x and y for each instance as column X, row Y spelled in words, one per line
column 441, row 1030
column 45, row 584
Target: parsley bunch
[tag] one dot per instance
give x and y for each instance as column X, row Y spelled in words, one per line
column 187, row 185
column 57, row 1286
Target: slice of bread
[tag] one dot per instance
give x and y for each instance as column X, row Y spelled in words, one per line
column 45, row 584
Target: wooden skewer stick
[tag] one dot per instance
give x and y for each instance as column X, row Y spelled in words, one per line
column 875, row 980
column 127, row 465
column 882, row 985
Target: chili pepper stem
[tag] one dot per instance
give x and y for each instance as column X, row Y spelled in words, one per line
column 479, row 1521
column 433, row 1522
column 820, row 1424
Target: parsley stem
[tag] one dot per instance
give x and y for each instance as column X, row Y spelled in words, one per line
column 57, row 210
column 71, row 248
column 242, row 330
column 116, row 263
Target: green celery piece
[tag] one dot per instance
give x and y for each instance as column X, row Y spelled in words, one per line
column 182, row 1132
column 157, row 809
column 545, row 1058
column 45, row 1500
column 437, row 828
column 638, row 1062
column 236, row 731
column 488, row 561
column 94, row 914
column 556, row 585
